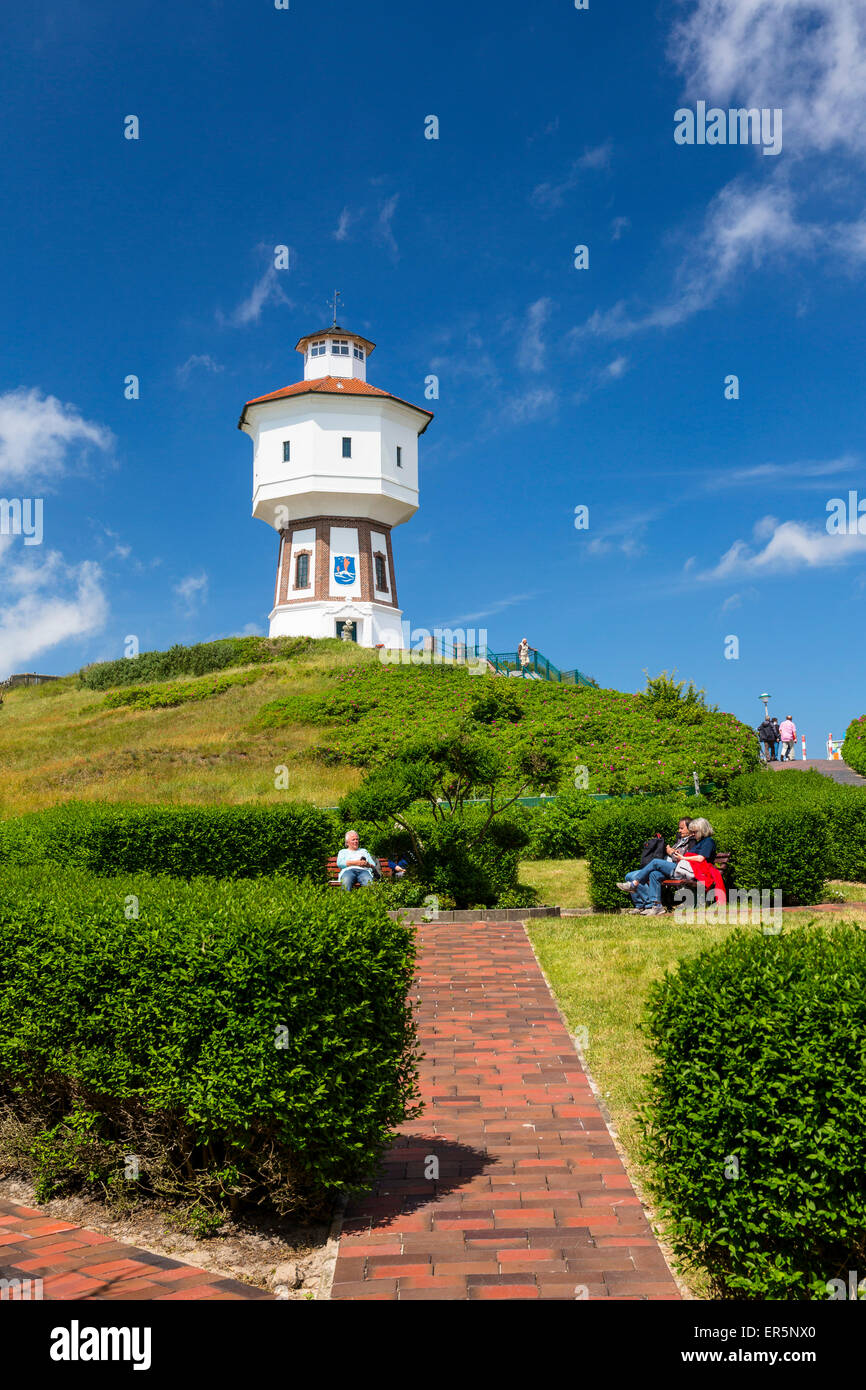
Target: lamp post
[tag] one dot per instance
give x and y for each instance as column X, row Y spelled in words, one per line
column 765, row 698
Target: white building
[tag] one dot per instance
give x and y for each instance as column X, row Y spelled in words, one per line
column 335, row 468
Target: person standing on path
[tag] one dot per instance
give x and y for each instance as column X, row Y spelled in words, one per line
column 767, row 735
column 523, row 656
column 788, row 735
column 777, row 739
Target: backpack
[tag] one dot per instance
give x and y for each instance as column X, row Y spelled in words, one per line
column 652, row 849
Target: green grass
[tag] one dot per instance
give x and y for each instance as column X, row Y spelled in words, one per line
column 560, row 882
column 600, row 969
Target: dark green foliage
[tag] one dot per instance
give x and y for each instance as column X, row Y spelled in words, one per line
column 614, row 833
column 558, row 830
column 192, row 661
column 628, row 743
column 779, row 847
column 843, row 809
column 666, row 693
column 755, row 1129
column 249, row 1041
column 854, row 747
column 177, row 692
column 225, row 841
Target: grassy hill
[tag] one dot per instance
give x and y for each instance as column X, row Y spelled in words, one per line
column 324, row 711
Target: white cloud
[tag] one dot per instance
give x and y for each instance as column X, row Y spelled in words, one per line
column 617, row 368
column 38, row 434
column 547, row 197
column 385, row 230
column 518, row 409
column 51, row 603
column 532, row 350
column 347, row 217
column 742, row 227
column 787, row 546
column 806, row 56
column 201, row 360
column 497, row 606
column 784, row 475
column 618, row 226
column 192, row 591
column 266, row 290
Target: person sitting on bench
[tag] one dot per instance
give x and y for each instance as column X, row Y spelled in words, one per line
column 645, row 884
column 355, row 864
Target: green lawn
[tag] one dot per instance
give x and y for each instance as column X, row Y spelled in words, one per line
column 560, row 882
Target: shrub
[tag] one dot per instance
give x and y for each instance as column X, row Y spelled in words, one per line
column 198, row 660
column 854, row 747
column 558, row 830
column 754, row 1128
column 247, row 1041
column 779, row 847
column 225, row 841
column 615, row 832
column 177, row 692
column 843, row 809
column 629, row 743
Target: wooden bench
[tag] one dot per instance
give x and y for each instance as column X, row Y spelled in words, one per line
column 334, row 873
column 722, row 862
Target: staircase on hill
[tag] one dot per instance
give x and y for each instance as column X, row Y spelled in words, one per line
column 539, row 669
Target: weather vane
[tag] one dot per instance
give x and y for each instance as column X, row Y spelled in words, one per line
column 337, row 295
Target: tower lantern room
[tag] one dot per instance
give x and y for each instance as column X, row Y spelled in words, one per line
column 335, row 469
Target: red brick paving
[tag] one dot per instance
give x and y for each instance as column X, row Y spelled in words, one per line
column 532, row 1200
column 78, row 1265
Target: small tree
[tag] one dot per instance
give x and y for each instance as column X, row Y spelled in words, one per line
column 441, row 775
column 663, row 689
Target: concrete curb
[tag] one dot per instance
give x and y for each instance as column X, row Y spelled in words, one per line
column 415, row 916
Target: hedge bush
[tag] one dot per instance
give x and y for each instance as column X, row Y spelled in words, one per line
column 854, row 747
column 225, row 841
column 754, row 1129
column 247, row 1041
column 784, row 847
column 843, row 809
column 198, row 660
column 558, row 830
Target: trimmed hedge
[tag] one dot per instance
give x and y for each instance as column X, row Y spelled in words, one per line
column 854, row 747
column 247, row 1041
column 754, row 1130
column 843, row 809
column 185, row 841
column 773, row 846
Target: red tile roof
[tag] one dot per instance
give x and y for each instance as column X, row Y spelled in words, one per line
column 333, row 386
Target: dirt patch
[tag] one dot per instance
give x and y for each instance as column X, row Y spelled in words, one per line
column 291, row 1260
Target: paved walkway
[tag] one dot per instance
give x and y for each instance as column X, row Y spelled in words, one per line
column 531, row 1200
column 839, row 772
column 75, row 1264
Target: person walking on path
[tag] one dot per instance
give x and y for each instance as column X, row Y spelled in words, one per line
column 523, row 656
column 777, row 739
column 788, row 735
column 767, row 735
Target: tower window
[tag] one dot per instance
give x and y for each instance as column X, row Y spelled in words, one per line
column 287, row 451
column 340, row 347
column 399, row 456
column 318, row 349
column 381, row 573
column 347, row 448
column 302, row 571
column 359, row 353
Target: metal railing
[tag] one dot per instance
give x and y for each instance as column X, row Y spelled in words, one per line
column 538, row 665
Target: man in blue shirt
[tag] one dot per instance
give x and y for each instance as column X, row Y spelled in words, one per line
column 355, row 864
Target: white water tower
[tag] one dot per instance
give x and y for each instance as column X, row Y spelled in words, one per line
column 335, row 469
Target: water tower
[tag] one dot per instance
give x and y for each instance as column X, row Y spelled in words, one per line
column 335, row 469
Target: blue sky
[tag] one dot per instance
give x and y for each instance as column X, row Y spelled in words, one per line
column 558, row 387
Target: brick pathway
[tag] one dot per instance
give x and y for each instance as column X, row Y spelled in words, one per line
column 837, row 771
column 532, row 1200
column 75, row 1264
